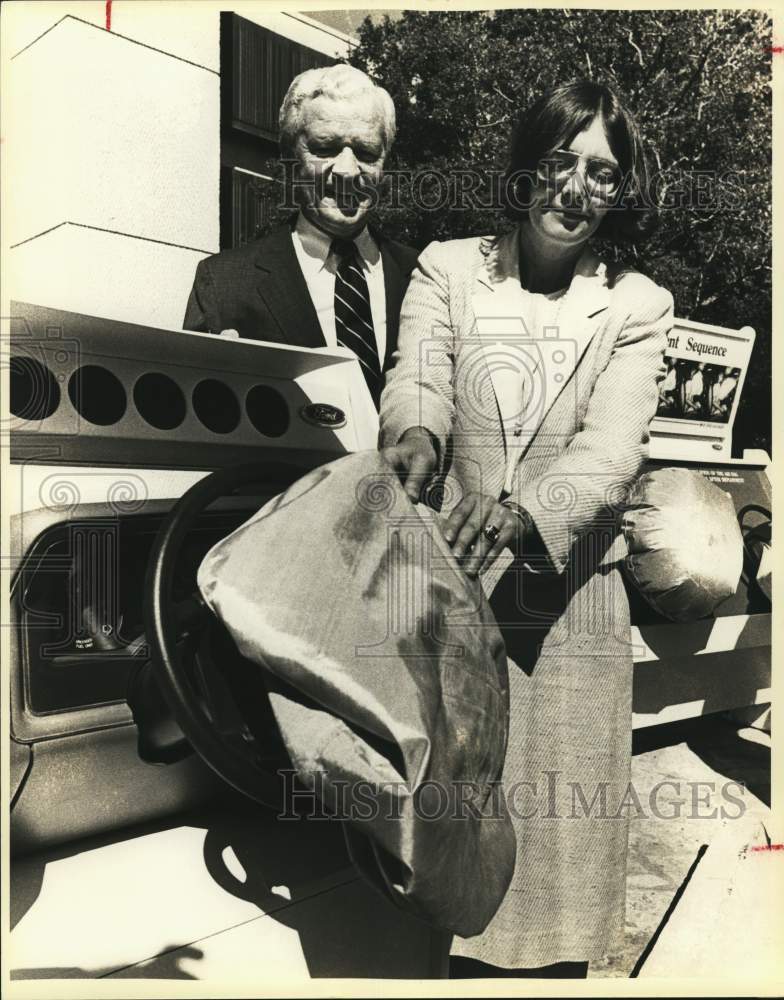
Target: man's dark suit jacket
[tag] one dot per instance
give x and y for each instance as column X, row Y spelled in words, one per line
column 260, row 291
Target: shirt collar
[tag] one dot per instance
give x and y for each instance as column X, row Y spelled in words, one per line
column 316, row 243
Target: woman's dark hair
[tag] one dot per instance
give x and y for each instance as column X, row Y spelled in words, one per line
column 551, row 123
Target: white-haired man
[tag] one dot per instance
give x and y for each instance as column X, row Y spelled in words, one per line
column 325, row 278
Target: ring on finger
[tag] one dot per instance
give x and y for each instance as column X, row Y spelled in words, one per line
column 491, row 533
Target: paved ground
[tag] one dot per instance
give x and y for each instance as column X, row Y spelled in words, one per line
column 664, row 847
column 223, row 897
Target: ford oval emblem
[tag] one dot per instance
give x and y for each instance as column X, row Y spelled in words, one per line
column 323, row 415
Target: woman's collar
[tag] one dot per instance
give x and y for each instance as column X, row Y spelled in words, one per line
column 502, row 262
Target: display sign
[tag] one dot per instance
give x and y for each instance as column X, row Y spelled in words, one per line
column 699, row 395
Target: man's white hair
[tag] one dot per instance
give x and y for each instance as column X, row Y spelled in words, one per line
column 335, row 82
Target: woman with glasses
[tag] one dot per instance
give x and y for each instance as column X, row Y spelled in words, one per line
column 526, row 378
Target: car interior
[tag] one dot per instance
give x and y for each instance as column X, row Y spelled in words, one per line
column 134, row 719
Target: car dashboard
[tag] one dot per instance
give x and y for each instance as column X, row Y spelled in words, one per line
column 93, row 478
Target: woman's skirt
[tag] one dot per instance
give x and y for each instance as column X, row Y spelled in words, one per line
column 567, row 768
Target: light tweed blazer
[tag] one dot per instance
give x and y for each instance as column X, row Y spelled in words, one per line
column 594, row 433
column 566, row 628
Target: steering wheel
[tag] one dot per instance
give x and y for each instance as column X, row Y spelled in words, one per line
column 193, row 684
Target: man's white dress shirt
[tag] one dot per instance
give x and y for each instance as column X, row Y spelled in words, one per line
column 312, row 247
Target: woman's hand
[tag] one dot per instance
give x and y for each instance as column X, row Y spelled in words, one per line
column 469, row 530
column 415, row 459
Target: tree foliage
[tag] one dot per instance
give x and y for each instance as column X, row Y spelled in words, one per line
column 699, row 84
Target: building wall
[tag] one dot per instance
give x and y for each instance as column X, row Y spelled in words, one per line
column 113, row 151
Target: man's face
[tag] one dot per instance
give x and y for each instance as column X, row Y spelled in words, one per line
column 340, row 161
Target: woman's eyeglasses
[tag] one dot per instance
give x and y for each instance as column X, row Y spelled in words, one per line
column 602, row 177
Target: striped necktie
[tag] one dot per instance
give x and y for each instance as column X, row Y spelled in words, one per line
column 353, row 318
